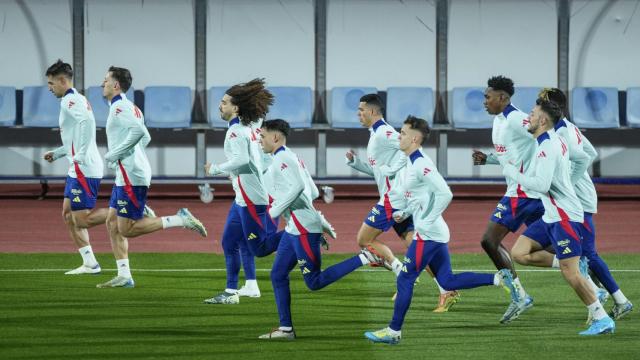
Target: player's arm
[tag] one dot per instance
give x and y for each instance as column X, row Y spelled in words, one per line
column 239, row 148
column 135, row 132
column 84, row 131
column 355, row 162
column 397, row 162
column 588, row 147
column 55, row 154
column 543, row 173
column 288, row 168
column 310, row 184
column 580, row 161
column 442, row 194
column 481, row 158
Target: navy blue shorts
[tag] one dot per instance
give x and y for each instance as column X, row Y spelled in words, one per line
column 129, row 201
column 512, row 212
column 382, row 219
column 83, row 194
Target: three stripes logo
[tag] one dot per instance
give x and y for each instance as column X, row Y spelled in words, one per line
column 123, row 211
column 71, row 103
column 136, row 112
column 118, row 111
column 426, row 171
column 542, row 154
column 389, row 133
column 283, row 166
column 252, row 236
column 233, row 135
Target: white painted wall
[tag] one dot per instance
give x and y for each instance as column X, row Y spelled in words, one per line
column 604, row 43
column 32, row 37
column 268, row 38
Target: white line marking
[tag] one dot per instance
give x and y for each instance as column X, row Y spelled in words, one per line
column 267, row 270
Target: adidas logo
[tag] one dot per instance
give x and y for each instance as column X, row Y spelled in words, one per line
column 566, row 251
column 76, row 199
column 252, row 236
column 123, row 211
column 118, row 111
column 372, row 218
column 283, row 166
column 426, row 171
column 404, row 268
column 305, row 271
column 498, row 215
column 542, row 154
column 233, row 135
column 71, row 103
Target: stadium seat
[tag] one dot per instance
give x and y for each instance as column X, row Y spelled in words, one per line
column 344, row 106
column 404, row 101
column 7, row 106
column 40, row 108
column 595, row 107
column 633, row 107
column 524, row 98
column 468, row 109
column 214, row 96
column 293, row 104
column 167, row 106
column 100, row 105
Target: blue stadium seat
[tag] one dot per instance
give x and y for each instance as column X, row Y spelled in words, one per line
column 633, row 107
column 293, row 104
column 100, row 105
column 344, row 106
column 167, row 106
column 214, row 96
column 405, row 101
column 468, row 109
column 524, row 98
column 40, row 108
column 595, row 107
column 7, row 106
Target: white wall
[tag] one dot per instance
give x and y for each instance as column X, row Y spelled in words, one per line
column 268, row 38
column 604, row 43
column 517, row 39
column 32, row 37
column 381, row 43
column 153, row 39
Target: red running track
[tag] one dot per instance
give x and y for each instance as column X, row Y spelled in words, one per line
column 36, row 226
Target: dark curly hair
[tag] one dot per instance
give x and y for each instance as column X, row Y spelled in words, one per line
column 252, row 99
column 501, row 83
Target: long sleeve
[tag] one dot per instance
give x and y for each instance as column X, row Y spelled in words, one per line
column 492, row 159
column 580, row 161
column 589, row 149
column 543, row 174
column 59, row 152
column 135, row 133
column 442, row 195
column 360, row 165
column 288, row 170
column 239, row 149
column 84, row 134
column 398, row 162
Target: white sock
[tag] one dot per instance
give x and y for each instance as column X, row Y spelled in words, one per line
column 285, row 328
column 231, row 291
column 619, row 297
column 556, row 263
column 364, row 259
column 442, row 290
column 597, row 311
column 172, row 221
column 496, row 279
column 393, row 332
column 251, row 284
column 396, row 266
column 123, row 268
column 521, row 292
column 88, row 258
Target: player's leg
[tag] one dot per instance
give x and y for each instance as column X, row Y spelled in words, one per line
column 622, row 305
column 284, row 262
column 231, row 235
column 375, row 223
column 250, row 287
column 260, row 230
column 120, row 247
column 309, row 257
column 80, row 238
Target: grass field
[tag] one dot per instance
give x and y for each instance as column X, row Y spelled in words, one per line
column 46, row 315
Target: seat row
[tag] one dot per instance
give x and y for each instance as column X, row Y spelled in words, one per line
column 171, row 106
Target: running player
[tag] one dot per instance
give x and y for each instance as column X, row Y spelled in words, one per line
column 512, row 143
column 300, row 243
column 563, row 216
column 78, row 133
column 528, row 249
column 127, row 137
column 428, row 195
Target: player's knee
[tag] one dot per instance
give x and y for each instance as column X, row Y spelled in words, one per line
column 313, row 284
column 279, row 277
column 489, row 243
column 363, row 241
column 80, row 221
column 67, row 217
column 519, row 257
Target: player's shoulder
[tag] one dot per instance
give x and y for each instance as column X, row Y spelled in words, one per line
column 511, row 112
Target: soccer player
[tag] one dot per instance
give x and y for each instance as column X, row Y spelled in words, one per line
column 127, row 137
column 300, row 243
column 247, row 226
column 78, row 133
column 428, row 195
column 384, row 161
column 528, row 249
column 512, row 143
column 563, row 215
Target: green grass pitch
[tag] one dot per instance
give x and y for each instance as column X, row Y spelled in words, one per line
column 47, row 315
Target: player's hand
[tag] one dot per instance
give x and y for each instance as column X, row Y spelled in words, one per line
column 351, row 155
column 479, row 158
column 78, row 159
column 399, row 216
column 49, row 156
column 207, row 168
column 112, row 165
